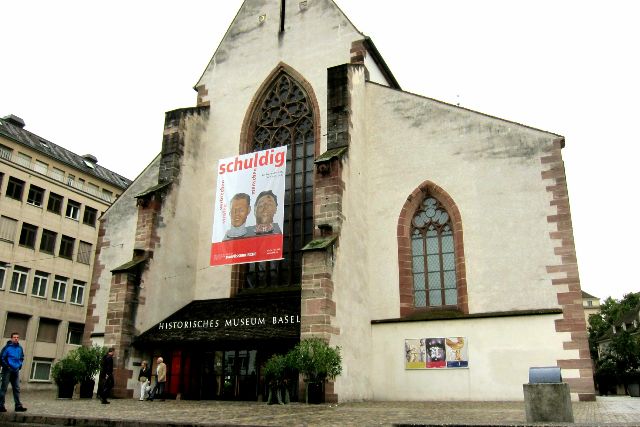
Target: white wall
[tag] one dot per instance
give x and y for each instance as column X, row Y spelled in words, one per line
column 501, row 351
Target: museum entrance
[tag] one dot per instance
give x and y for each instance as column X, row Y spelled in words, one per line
column 223, row 372
column 217, row 349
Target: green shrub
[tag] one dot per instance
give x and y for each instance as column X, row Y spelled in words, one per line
column 316, row 360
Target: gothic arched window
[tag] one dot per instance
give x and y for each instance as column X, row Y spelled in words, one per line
column 285, row 116
column 433, row 256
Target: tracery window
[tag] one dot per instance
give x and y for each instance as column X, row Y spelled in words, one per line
column 285, row 117
column 433, row 256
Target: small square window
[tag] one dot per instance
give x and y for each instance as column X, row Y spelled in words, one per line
column 3, row 274
column 84, row 253
column 35, row 196
column 55, row 203
column 89, row 217
column 73, row 210
column 28, row 235
column 15, row 187
column 48, row 241
column 19, row 280
column 41, row 370
column 48, row 330
column 75, row 332
column 8, row 228
column 59, row 288
column 66, row 247
column 39, row 288
column 77, row 292
column 16, row 322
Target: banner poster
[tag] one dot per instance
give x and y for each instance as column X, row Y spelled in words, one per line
column 249, row 208
column 436, row 353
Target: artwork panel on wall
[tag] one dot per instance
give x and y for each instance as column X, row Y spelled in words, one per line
column 436, row 353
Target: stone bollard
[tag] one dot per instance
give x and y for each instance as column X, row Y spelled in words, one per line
column 546, row 397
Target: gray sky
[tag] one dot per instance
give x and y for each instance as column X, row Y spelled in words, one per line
column 96, row 77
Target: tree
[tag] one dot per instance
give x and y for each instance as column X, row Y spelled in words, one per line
column 611, row 312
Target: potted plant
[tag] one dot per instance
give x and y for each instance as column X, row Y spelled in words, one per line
column 66, row 373
column 276, row 378
column 632, row 378
column 318, row 363
column 91, row 359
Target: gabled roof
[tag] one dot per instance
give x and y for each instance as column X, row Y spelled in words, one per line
column 10, row 127
column 586, row 295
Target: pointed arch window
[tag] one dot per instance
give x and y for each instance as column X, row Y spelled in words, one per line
column 285, row 117
column 433, row 256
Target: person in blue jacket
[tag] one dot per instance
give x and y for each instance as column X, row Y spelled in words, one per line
column 11, row 358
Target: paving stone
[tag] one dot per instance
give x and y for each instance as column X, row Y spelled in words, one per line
column 46, row 409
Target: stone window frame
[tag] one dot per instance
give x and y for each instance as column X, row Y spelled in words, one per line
column 246, row 137
column 405, row 273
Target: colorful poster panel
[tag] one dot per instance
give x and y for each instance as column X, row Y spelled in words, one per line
column 457, row 356
column 436, row 353
column 415, row 354
column 249, row 208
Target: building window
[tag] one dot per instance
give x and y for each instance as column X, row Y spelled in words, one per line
column 16, row 323
column 55, row 203
column 3, row 274
column 89, row 217
column 73, row 210
column 28, row 235
column 24, row 160
column 48, row 330
column 430, row 252
column 74, row 334
column 15, row 187
column 48, row 241
column 8, row 228
column 5, row 152
column 107, row 195
column 59, row 288
column 66, row 247
column 35, row 196
column 39, row 288
column 41, row 369
column 285, row 116
column 433, row 256
column 41, row 167
column 19, row 280
column 84, row 253
column 71, row 180
column 589, row 303
column 77, row 292
column 57, row 174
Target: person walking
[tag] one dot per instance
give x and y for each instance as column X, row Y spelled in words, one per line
column 161, row 379
column 11, row 358
column 144, row 378
column 106, row 374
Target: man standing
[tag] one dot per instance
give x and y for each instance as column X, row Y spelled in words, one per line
column 106, row 373
column 11, row 358
column 161, row 379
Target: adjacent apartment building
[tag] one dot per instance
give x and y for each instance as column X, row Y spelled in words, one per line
column 50, row 202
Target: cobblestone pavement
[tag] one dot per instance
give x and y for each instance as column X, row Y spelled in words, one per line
column 45, row 409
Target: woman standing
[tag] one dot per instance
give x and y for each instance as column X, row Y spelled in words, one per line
column 144, row 378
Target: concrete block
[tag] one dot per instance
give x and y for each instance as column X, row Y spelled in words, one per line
column 548, row 402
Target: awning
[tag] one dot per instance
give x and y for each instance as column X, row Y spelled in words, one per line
column 251, row 317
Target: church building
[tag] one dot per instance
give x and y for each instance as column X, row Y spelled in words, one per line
column 433, row 244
